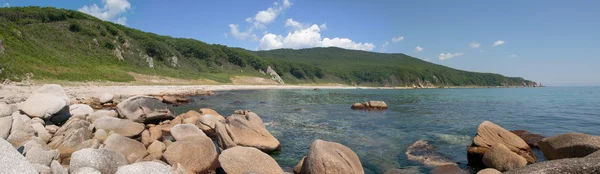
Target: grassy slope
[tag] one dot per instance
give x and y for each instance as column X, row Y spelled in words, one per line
column 68, row 45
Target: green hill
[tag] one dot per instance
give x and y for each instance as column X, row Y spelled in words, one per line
column 59, row 44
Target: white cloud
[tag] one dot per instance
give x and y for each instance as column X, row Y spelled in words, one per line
column 323, row 26
column 112, row 10
column 445, row 56
column 6, row 5
column 397, row 39
column 293, row 24
column 498, row 43
column 418, row 49
column 474, row 44
column 249, row 20
column 309, row 37
column 385, row 44
column 512, row 55
column 236, row 33
column 267, row 16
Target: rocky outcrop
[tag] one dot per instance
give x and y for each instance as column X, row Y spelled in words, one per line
column 370, row 105
column 503, row 159
column 123, row 127
column 489, row 134
column 245, row 129
column 104, row 160
column 247, row 160
column 569, row 145
column 49, row 102
column 144, row 109
column 567, row 165
column 206, row 120
column 274, row 75
column 131, row 149
column 426, row 154
column 330, row 157
column 11, row 161
column 145, row 168
column 530, row 138
column 197, row 154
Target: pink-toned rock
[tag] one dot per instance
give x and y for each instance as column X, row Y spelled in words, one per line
column 489, row 134
column 245, row 130
column 247, row 160
column 331, row 157
column 196, row 154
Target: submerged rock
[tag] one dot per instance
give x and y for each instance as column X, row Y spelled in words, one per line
column 247, row 160
column 143, row 109
column 426, row 154
column 245, row 129
column 569, row 145
column 489, row 134
column 331, row 157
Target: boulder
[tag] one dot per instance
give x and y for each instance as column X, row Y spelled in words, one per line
column 166, row 125
column 503, row 159
column 208, row 111
column 448, row 169
column 569, row 145
column 123, row 127
column 489, row 134
column 149, row 167
column 80, row 110
column 151, row 135
column 5, row 126
column 370, row 105
column 104, row 160
column 359, row 106
column 41, row 132
column 100, row 135
column 594, row 155
column 42, row 169
column 298, row 167
column 567, row 165
column 11, row 161
column 169, row 99
column 421, row 151
column 38, row 120
column 86, row 170
column 7, row 109
column 331, row 157
column 247, row 160
column 182, row 131
column 245, row 130
column 51, row 128
column 72, row 136
column 21, row 130
column 130, row 148
column 144, row 109
column 106, row 98
column 196, row 154
column 206, row 122
column 47, row 102
column 155, row 151
column 530, row 138
column 101, row 113
column 57, row 168
column 489, row 171
column 40, row 155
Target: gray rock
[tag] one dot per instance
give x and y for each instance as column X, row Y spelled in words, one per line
column 247, row 160
column 106, row 98
column 47, row 101
column 80, row 110
column 183, row 131
column 21, row 130
column 72, row 136
column 489, row 171
column 130, row 148
column 569, row 145
column 123, row 127
column 567, row 165
column 38, row 120
column 5, row 126
column 57, row 168
column 144, row 108
column 39, row 155
column 104, row 160
column 145, row 168
column 42, row 169
column 51, row 128
column 101, row 113
column 41, row 132
column 86, row 170
column 7, row 109
column 11, row 161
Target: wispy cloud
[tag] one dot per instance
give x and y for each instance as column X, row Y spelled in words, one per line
column 474, row 44
column 512, row 55
column 112, row 10
column 6, row 5
column 385, row 44
column 397, row 39
column 498, row 43
column 418, row 49
column 446, row 56
column 260, row 21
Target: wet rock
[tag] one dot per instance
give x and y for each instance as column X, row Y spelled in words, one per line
column 104, row 160
column 47, row 102
column 331, row 157
column 106, row 98
column 143, row 109
column 489, row 134
column 182, row 131
column 503, row 159
column 569, row 145
column 559, row 166
column 489, row 171
column 245, row 130
column 247, row 160
column 530, row 138
column 196, row 154
column 426, row 154
column 57, row 168
column 80, row 110
column 448, row 169
column 11, row 161
column 145, row 168
column 5, row 126
column 123, row 127
column 130, row 148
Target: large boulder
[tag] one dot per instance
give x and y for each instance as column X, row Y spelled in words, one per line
column 144, row 109
column 57, row 168
column 426, row 154
column 489, row 134
column 101, row 113
column 5, row 126
column 106, row 98
column 11, row 161
column 501, row 158
column 72, row 136
column 80, row 110
column 21, row 130
column 559, row 166
column 196, row 154
column 247, row 160
column 245, row 129
column 569, row 145
column 155, row 151
column 47, row 102
column 149, row 167
column 7, row 109
column 331, row 157
column 123, row 127
column 104, row 160
column 130, row 148
column 182, row 131
column 370, row 105
column 38, row 154
column 530, row 138
column 206, row 121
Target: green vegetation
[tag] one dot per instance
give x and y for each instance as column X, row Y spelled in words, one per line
column 68, row 45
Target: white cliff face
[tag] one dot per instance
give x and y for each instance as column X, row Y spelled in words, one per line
column 119, row 54
column 174, row 61
column 274, row 75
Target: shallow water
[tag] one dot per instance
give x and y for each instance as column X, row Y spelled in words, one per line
column 447, row 118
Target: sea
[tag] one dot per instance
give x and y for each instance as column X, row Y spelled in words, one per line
column 446, row 118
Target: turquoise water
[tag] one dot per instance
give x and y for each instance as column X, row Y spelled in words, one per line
column 447, row 118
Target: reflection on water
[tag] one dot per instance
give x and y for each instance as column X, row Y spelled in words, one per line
column 446, row 118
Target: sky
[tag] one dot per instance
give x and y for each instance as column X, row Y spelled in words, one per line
column 548, row 41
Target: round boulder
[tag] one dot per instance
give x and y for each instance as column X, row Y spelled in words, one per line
column 143, row 109
column 247, row 160
column 196, row 154
column 103, row 160
column 569, row 145
column 246, row 129
column 106, row 98
column 331, row 157
column 80, row 110
column 47, row 101
column 149, row 167
column 130, row 148
column 501, row 158
column 123, row 127
column 489, row 134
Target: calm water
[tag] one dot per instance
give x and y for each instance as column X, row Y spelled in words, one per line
column 447, row 118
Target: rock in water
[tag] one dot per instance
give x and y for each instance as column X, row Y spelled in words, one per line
column 47, row 102
column 370, row 105
column 11, row 161
column 245, row 129
column 247, row 160
column 143, row 109
column 501, row 158
column 530, row 138
column 331, row 157
column 448, row 169
column 489, row 134
column 425, row 153
column 560, row 166
column 489, row 171
column 106, row 98
column 130, row 148
column 104, row 160
column 196, row 154
column 145, row 168
column 123, row 127
column 569, row 145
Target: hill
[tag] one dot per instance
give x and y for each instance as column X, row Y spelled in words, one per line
column 50, row 43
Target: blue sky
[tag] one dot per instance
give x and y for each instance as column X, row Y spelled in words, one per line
column 553, row 42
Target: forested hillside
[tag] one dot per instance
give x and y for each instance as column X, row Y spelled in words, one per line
column 50, row 43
